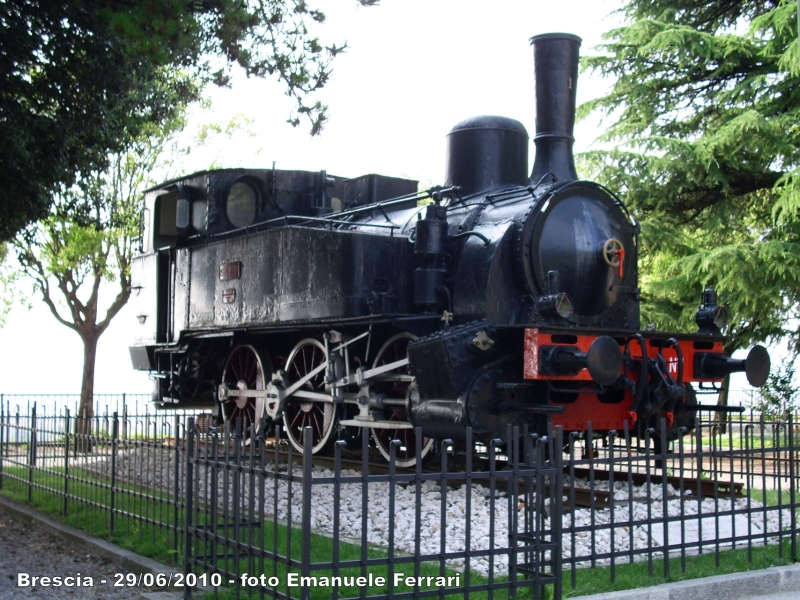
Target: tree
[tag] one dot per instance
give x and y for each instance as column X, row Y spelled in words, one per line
column 70, row 95
column 8, row 277
column 705, row 110
column 79, row 78
column 779, row 395
column 85, row 245
column 88, row 240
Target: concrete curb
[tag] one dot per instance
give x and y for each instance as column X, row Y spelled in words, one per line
column 735, row 586
column 125, row 558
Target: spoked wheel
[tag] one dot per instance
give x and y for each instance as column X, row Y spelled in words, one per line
column 245, row 370
column 396, row 348
column 299, row 412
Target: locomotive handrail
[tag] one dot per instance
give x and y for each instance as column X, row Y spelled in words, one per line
column 386, row 203
column 337, row 221
column 512, row 194
column 485, row 239
column 618, row 201
column 285, row 218
column 326, row 220
column 493, row 199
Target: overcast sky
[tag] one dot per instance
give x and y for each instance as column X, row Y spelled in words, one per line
column 414, row 68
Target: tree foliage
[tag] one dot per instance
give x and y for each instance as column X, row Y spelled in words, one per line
column 704, row 146
column 8, row 279
column 778, row 398
column 78, row 78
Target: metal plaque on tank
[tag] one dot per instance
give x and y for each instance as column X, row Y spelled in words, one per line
column 230, row 270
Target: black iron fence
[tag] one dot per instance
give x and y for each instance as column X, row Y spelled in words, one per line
column 56, row 404
column 244, row 510
column 118, row 475
column 367, row 534
column 726, row 485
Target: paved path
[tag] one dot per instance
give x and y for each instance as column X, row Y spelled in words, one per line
column 26, row 548
column 776, row 583
column 33, row 544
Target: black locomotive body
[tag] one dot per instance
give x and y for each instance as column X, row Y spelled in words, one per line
column 346, row 304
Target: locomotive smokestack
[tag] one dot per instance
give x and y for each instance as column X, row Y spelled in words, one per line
column 555, row 68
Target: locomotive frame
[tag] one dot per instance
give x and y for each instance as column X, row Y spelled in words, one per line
column 348, row 305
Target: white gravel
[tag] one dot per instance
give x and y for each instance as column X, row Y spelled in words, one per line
column 153, row 467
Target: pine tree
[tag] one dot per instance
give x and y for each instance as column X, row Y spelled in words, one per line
column 704, row 147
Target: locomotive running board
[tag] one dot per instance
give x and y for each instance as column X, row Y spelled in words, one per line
column 376, row 424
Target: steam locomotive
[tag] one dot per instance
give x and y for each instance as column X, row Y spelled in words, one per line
column 355, row 305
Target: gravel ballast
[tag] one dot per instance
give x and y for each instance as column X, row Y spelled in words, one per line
column 153, row 467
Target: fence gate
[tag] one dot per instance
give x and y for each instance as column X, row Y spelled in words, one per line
column 539, row 534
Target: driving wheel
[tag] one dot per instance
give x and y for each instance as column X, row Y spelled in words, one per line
column 395, row 385
column 245, row 369
column 299, row 412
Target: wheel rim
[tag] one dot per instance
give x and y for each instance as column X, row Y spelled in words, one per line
column 299, row 413
column 396, row 348
column 244, row 370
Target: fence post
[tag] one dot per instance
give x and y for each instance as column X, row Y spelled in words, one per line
column 187, row 548
column 305, row 556
column 2, row 437
column 176, row 485
column 664, row 486
column 556, row 511
column 75, row 437
column 114, row 447
column 512, row 434
column 793, row 485
column 66, row 461
column 32, row 454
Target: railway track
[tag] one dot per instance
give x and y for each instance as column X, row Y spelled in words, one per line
column 688, row 486
column 580, row 496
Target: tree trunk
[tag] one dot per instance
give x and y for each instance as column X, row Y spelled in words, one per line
column 722, row 417
column 85, row 418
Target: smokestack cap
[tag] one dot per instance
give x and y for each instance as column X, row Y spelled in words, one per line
column 555, row 36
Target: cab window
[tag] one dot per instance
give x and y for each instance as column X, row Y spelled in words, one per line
column 165, row 231
column 241, row 204
column 199, row 216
